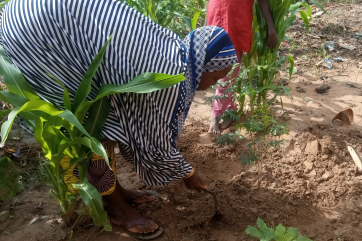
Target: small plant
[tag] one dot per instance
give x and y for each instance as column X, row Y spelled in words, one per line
column 10, row 184
column 280, row 233
column 167, row 13
column 252, row 86
column 81, row 141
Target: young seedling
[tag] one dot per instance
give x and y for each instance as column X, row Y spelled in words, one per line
column 280, row 233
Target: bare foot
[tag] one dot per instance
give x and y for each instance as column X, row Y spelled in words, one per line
column 225, row 124
column 214, row 126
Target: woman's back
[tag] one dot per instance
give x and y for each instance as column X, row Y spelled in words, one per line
column 62, row 38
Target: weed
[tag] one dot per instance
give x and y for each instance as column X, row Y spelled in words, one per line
column 173, row 14
column 280, row 233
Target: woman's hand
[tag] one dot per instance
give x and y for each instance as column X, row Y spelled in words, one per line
column 273, row 41
column 195, row 183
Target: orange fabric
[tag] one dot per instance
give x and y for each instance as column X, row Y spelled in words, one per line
column 236, row 18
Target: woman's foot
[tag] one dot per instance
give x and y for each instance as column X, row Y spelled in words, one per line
column 120, row 213
column 137, row 196
column 214, row 126
column 134, row 223
column 225, row 124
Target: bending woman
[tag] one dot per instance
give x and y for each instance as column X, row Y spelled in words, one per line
column 62, row 38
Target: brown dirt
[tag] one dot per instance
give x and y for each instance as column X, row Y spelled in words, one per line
column 311, row 182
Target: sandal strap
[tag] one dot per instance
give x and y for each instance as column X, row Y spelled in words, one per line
column 141, row 221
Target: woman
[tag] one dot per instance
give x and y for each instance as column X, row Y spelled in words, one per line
column 236, row 18
column 62, row 37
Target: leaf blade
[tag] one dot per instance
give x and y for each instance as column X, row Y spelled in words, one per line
column 14, row 79
column 85, row 85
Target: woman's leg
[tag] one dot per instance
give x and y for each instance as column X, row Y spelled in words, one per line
column 120, row 212
column 220, row 106
column 115, row 197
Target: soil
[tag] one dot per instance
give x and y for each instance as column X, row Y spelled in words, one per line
column 310, row 182
column 322, row 89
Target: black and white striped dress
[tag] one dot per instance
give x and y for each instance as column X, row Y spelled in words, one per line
column 62, row 37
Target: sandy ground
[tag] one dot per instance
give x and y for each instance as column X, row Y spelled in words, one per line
column 311, row 182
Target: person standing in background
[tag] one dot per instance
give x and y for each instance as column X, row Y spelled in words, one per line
column 236, row 18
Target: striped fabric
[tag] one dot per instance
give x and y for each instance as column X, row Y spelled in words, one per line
column 62, row 37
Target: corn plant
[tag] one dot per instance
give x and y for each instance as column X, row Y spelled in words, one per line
column 47, row 122
column 280, row 233
column 255, row 82
column 165, row 13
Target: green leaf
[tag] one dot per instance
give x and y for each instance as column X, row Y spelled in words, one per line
column 86, row 84
column 280, row 230
column 9, row 179
column 14, row 99
column 66, row 99
column 309, row 11
column 4, row 112
column 186, row 20
column 294, row 231
column 280, row 234
column 93, row 200
column 292, row 47
column 305, row 19
column 294, row 7
column 268, row 233
column 39, row 105
column 97, row 117
column 14, row 79
column 51, row 133
column 29, row 106
column 195, row 18
column 91, row 143
column 291, row 65
column 38, row 134
column 277, row 93
column 254, row 232
column 303, row 238
column 286, row 38
column 143, row 83
column 320, row 6
column 287, row 23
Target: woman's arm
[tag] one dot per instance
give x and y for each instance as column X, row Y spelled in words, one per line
column 193, row 181
column 267, row 14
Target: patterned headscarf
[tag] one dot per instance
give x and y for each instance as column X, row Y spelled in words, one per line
column 210, row 49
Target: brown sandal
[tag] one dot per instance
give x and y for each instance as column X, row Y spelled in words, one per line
column 141, row 221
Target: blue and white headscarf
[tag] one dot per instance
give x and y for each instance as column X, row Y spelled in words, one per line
column 62, row 38
column 210, row 49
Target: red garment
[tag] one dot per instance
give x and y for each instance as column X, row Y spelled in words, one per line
column 236, row 17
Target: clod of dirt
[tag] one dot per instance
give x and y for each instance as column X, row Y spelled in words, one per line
column 337, row 122
column 323, row 77
column 334, row 29
column 300, row 89
column 322, row 89
column 349, row 84
column 308, row 167
column 312, row 148
column 326, row 177
column 282, row 115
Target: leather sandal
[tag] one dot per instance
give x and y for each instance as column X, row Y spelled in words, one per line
column 141, row 236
